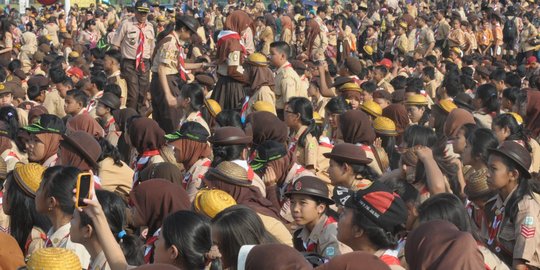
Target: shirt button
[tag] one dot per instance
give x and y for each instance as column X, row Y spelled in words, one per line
column 497, row 249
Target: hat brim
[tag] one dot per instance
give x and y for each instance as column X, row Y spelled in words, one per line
column 513, row 157
column 387, row 132
column 233, row 140
column 346, row 159
column 216, row 175
column 71, row 143
column 370, row 111
column 32, row 129
column 143, row 10
column 106, row 102
column 189, row 26
column 305, row 191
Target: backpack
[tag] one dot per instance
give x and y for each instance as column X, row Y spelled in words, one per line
column 510, row 31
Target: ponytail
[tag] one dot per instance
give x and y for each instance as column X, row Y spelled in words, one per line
column 303, row 107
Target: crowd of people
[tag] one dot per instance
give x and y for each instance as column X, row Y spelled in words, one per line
column 271, row 135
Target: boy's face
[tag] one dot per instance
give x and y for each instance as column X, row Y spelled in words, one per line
column 6, row 99
column 108, row 63
column 101, row 110
column 72, row 107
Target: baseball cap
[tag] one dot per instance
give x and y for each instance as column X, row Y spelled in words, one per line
column 382, row 207
column 191, row 131
column 386, row 63
column 142, row 6
column 531, row 60
column 47, row 123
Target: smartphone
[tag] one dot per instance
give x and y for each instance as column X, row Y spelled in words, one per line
column 84, row 185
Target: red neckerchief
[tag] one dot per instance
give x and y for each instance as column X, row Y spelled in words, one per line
column 48, row 242
column 181, row 63
column 140, row 49
column 311, row 246
column 149, row 252
column 231, row 35
column 188, row 177
column 494, row 226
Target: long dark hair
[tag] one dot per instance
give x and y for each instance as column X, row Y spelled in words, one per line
column 337, row 105
column 237, row 226
column 487, row 93
column 114, row 209
column 59, row 182
column 376, row 235
column 22, row 213
column 9, row 115
column 389, row 143
column 109, row 151
column 480, row 141
column 226, row 153
column 361, row 171
column 194, row 92
column 303, row 107
column 191, row 234
column 446, row 206
column 517, row 131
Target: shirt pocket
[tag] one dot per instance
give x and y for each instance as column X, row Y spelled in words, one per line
column 132, row 37
column 507, row 235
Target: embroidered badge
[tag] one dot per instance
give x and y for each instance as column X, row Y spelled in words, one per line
column 528, row 221
column 527, row 232
column 330, row 252
column 298, row 185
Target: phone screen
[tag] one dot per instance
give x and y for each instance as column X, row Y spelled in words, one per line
column 84, row 188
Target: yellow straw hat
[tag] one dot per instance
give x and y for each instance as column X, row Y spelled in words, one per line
column 53, row 259
column 3, row 169
column 371, row 107
column 385, row 126
column 516, row 116
column 447, row 105
column 74, row 54
column 403, row 25
column 264, row 106
column 350, row 86
column 257, row 59
column 416, row 99
column 213, row 107
column 212, row 201
column 317, row 117
column 28, row 177
column 368, row 49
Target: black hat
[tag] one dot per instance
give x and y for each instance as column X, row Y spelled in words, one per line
column 142, row 6
column 517, row 153
column 39, row 80
column 268, row 151
column 47, row 123
column 348, row 153
column 110, row 100
column 155, row 4
column 312, row 186
column 382, row 207
column 230, row 136
column 189, row 22
column 205, row 79
column 341, row 80
column 189, row 130
column 298, row 65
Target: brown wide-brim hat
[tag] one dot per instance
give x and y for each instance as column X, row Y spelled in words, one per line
column 229, row 172
column 311, row 186
column 348, row 153
column 517, row 153
column 84, row 144
column 230, row 136
column 341, row 80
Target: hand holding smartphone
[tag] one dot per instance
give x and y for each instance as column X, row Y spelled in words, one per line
column 85, row 182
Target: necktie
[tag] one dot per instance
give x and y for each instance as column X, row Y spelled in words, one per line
column 140, row 49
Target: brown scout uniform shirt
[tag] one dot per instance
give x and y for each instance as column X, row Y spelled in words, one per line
column 423, row 39
column 288, row 85
column 127, row 39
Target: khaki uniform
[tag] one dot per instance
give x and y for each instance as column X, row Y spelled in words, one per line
column 385, row 84
column 264, row 93
column 401, row 45
column 53, row 29
column 36, row 240
column 101, row 27
column 517, row 239
column 276, row 228
column 322, row 240
column 319, row 47
column 13, row 156
column 99, row 263
column 61, row 239
column 114, row 178
column 287, row 36
column 307, row 155
column 294, row 173
column 442, row 30
column 111, row 134
column 54, row 103
column 529, row 32
column 412, row 39
column 167, row 56
column 423, row 39
column 196, row 117
column 193, row 178
column 288, row 85
column 117, row 79
column 431, row 88
column 92, row 104
column 456, row 38
column 127, row 39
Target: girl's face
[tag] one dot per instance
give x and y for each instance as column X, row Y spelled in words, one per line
column 36, row 149
column 41, row 199
column 337, row 173
column 355, row 103
column 291, row 118
column 346, row 229
column 466, row 156
column 332, row 119
column 305, row 210
column 184, row 103
column 101, row 110
column 498, row 175
column 415, row 113
column 459, row 142
column 370, row 32
column 77, row 233
column 500, row 133
column 162, row 254
column 382, row 102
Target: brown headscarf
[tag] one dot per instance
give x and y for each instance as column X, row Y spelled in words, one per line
column 145, row 134
column 270, row 20
column 282, row 166
column 266, row 126
column 36, row 111
column 190, row 151
column 121, row 117
column 532, row 117
column 51, row 142
column 286, row 23
column 354, row 259
column 85, row 122
column 259, row 76
column 155, row 199
column 275, row 257
column 314, row 31
column 438, row 244
column 237, row 21
column 71, row 157
column 356, row 127
column 162, row 170
column 398, row 114
column 249, row 196
column 456, row 120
